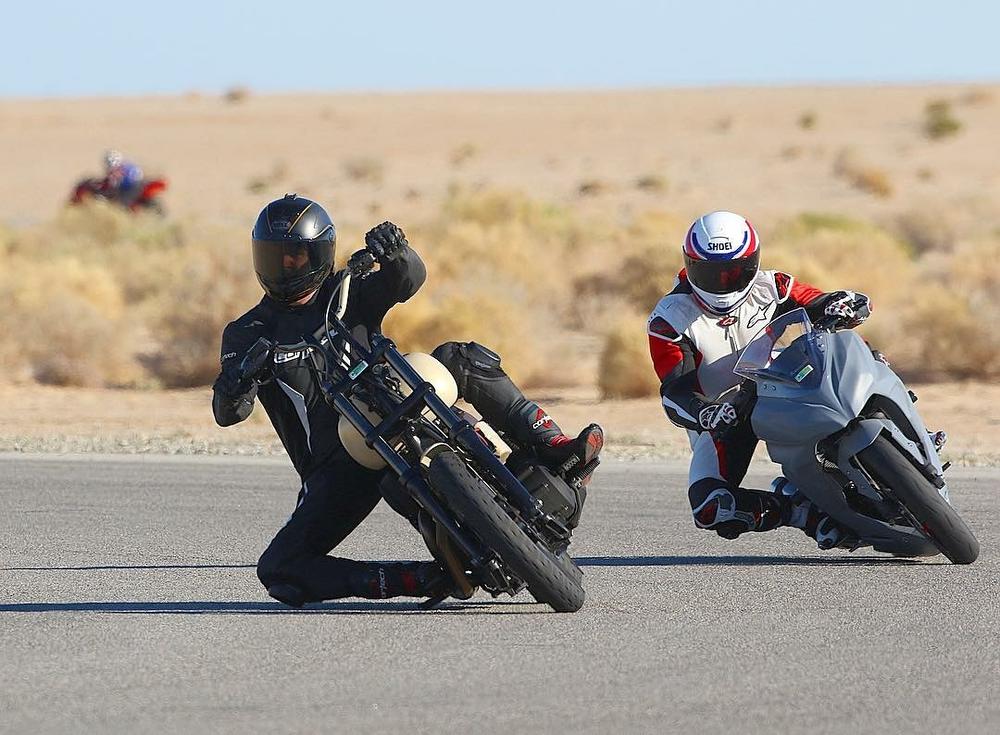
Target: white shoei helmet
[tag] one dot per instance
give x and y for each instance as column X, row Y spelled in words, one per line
column 721, row 255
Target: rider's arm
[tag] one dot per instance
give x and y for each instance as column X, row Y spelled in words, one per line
column 396, row 280
column 232, row 399
column 793, row 293
column 675, row 361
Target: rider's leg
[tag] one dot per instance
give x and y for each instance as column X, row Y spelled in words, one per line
column 295, row 567
column 717, row 501
column 483, row 383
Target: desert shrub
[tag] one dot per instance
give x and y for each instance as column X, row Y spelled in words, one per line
column 791, row 152
column 832, row 252
column 646, row 258
column 977, row 97
column 365, row 169
column 656, row 183
column 807, row 120
column 862, row 175
column 463, row 153
column 63, row 324
column 926, row 229
column 236, row 94
column 939, row 122
column 593, row 187
column 625, row 369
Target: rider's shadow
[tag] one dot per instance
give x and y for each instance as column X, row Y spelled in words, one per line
column 741, row 561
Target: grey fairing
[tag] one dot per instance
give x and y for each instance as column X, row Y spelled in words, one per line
column 793, row 419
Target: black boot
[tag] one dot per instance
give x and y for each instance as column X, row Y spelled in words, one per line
column 370, row 580
column 378, row 581
column 573, row 458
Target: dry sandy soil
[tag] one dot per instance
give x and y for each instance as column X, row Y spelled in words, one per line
column 741, row 149
column 42, row 419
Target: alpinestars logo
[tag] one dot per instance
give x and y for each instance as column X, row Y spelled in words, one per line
column 760, row 316
column 728, row 321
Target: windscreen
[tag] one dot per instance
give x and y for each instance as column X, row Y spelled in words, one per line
column 786, row 350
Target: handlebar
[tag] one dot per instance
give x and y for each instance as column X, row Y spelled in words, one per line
column 360, row 264
column 830, row 322
column 256, row 359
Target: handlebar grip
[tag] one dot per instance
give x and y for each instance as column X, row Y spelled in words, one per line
column 256, row 358
column 360, row 264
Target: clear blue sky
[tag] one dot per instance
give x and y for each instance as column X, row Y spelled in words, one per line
column 91, row 47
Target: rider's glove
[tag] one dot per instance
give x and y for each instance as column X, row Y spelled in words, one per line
column 230, row 384
column 236, row 379
column 852, row 308
column 716, row 415
column 385, row 241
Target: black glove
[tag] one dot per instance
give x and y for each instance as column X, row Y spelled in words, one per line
column 852, row 308
column 717, row 415
column 231, row 385
column 385, row 241
column 237, row 380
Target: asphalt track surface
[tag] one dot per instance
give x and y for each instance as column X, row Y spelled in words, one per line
column 128, row 603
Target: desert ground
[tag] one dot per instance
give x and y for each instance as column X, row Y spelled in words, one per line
column 764, row 152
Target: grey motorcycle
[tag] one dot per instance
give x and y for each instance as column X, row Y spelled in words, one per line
column 844, row 429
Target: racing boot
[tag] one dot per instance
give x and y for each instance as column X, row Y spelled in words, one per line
column 370, row 580
column 573, row 458
column 381, row 580
column 802, row 513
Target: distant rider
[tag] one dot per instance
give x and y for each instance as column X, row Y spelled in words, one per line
column 122, row 178
column 720, row 301
column 294, row 242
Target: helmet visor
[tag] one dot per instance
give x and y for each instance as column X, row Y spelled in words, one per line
column 722, row 276
column 289, row 267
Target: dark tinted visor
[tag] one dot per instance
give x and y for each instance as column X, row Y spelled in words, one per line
column 284, row 262
column 722, row 276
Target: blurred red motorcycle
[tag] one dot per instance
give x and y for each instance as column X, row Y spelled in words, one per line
column 148, row 199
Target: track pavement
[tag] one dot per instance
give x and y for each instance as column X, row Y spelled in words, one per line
column 128, row 602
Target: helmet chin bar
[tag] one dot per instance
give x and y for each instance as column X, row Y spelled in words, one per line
column 722, row 303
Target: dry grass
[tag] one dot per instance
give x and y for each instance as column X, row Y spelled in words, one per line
column 862, row 175
column 366, row 169
column 99, row 297
column 654, row 183
column 624, row 370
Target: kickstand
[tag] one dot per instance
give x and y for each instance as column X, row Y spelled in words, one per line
column 432, row 602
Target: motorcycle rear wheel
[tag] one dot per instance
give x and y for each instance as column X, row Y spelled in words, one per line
column 891, row 470
column 474, row 503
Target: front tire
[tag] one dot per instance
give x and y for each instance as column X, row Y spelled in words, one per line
column 473, row 503
column 885, row 463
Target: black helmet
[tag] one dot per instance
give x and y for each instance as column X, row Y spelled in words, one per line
column 294, row 241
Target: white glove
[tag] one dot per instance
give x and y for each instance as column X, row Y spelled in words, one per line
column 716, row 414
column 843, row 305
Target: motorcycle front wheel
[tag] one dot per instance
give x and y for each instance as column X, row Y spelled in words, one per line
column 885, row 463
column 475, row 505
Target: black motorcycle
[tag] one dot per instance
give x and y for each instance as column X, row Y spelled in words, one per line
column 490, row 514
